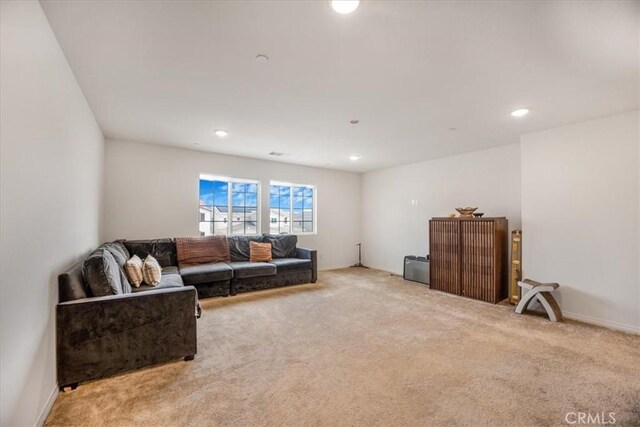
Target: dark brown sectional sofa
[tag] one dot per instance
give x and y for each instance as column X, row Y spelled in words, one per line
column 103, row 335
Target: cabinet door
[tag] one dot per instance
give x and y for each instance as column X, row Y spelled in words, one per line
column 444, row 252
column 479, row 276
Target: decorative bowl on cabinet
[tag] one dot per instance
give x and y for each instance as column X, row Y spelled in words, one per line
column 466, row 212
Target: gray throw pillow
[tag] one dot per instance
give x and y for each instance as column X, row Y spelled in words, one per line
column 124, row 280
column 119, row 252
column 282, row 245
column 121, row 255
column 103, row 275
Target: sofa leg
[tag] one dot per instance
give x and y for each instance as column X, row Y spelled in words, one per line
column 189, row 358
column 68, row 387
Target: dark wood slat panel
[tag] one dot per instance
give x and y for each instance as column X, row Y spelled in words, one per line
column 468, row 257
column 444, row 247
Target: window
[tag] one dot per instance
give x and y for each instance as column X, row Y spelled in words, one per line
column 228, row 206
column 292, row 208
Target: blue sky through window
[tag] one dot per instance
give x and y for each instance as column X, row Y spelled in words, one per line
column 279, row 197
column 213, row 193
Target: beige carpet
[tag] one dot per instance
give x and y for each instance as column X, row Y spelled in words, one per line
column 362, row 348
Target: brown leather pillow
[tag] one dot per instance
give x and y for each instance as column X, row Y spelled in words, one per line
column 259, row 252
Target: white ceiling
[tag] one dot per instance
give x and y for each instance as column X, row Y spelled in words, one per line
column 170, row 72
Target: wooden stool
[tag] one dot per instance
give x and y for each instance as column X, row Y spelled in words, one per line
column 541, row 291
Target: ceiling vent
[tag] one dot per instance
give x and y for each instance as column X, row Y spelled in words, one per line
column 276, row 153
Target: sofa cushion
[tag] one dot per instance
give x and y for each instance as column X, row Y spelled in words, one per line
column 103, row 275
column 202, row 250
column 239, row 247
column 119, row 252
column 291, row 264
column 163, row 250
column 170, row 279
column 252, row 269
column 72, row 284
column 206, row 273
column 282, row 245
column 170, row 270
column 121, row 255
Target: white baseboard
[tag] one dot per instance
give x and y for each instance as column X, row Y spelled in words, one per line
column 601, row 322
column 386, row 270
column 47, row 407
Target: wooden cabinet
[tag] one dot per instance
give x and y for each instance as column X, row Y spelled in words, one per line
column 469, row 257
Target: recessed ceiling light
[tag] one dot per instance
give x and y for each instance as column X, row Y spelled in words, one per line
column 262, row 59
column 354, row 157
column 520, row 112
column 344, row 6
column 221, row 133
column 354, row 122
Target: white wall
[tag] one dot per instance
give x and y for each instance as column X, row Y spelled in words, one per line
column 581, row 215
column 51, row 158
column 392, row 227
column 152, row 191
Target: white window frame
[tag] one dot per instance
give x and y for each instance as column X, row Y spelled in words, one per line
column 315, row 205
column 229, row 180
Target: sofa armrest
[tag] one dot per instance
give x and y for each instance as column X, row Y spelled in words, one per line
column 311, row 254
column 97, row 337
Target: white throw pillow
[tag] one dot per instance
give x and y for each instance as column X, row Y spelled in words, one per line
column 151, row 271
column 133, row 269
